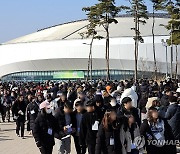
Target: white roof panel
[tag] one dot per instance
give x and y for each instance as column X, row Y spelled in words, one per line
column 71, row 30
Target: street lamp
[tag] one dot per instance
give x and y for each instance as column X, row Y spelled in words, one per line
column 164, row 43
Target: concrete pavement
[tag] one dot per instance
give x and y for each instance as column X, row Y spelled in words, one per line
column 11, row 144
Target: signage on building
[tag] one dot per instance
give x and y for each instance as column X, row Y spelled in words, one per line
column 69, row 75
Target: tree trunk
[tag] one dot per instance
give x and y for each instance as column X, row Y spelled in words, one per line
column 136, row 42
column 171, row 75
column 176, row 73
column 107, row 47
column 90, row 60
column 107, row 56
column 88, row 65
column 154, row 51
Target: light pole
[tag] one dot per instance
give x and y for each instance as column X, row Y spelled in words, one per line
column 164, row 43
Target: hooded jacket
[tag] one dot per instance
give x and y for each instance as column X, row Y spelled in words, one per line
column 132, row 94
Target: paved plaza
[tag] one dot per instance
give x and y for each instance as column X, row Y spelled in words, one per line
column 11, row 144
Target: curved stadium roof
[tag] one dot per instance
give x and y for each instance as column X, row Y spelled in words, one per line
column 72, row 30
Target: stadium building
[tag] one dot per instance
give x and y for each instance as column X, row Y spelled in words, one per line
column 59, row 52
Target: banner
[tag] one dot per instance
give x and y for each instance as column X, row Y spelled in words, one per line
column 69, row 75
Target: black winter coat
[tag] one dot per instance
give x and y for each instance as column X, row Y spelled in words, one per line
column 61, row 121
column 142, row 105
column 122, row 112
column 54, row 90
column 32, row 112
column 42, row 123
column 107, row 100
column 144, row 88
column 17, row 106
column 165, row 100
column 173, row 116
column 145, row 130
column 101, row 111
column 103, row 140
column 87, row 135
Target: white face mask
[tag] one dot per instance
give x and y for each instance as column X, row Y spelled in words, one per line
column 113, row 103
column 48, row 111
column 157, row 107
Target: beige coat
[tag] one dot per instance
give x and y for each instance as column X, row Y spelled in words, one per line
column 127, row 136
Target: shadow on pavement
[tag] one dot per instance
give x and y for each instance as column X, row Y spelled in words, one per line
column 7, row 130
column 28, row 137
column 5, row 139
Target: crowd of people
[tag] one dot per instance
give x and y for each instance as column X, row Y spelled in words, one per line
column 126, row 117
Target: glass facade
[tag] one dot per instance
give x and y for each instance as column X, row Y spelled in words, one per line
column 50, row 75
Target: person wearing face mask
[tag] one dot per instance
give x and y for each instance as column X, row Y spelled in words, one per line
column 113, row 105
column 19, row 109
column 45, row 127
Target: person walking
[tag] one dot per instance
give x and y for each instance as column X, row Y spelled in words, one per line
column 108, row 136
column 76, row 122
column 157, row 133
column 19, row 109
column 127, row 108
column 173, row 116
column 128, row 134
column 64, row 119
column 7, row 104
column 32, row 112
column 44, row 129
column 89, row 127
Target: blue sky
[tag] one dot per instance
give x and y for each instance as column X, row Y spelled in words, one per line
column 21, row 17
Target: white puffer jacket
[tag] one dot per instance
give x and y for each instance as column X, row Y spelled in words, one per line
column 132, row 94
